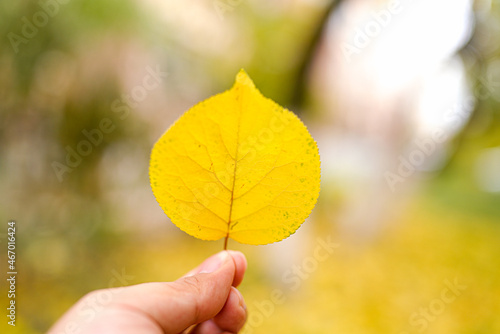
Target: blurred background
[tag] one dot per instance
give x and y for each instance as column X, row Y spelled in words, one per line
column 403, row 98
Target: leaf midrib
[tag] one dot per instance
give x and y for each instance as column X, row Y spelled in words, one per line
column 240, row 107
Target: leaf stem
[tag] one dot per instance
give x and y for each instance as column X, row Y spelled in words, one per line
column 225, row 242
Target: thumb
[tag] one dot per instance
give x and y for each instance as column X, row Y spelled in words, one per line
column 213, row 263
column 195, row 298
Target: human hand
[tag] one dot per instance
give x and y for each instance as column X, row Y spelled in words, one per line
column 204, row 301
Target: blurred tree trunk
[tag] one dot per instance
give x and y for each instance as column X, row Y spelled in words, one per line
column 299, row 88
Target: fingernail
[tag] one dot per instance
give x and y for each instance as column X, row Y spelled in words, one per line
column 237, row 254
column 214, row 262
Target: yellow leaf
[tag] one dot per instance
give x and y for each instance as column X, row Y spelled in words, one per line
column 238, row 166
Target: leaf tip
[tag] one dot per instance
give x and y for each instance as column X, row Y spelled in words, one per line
column 242, row 78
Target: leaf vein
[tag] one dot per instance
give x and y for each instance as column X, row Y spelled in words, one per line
column 262, row 179
column 197, row 223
